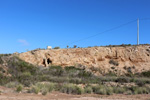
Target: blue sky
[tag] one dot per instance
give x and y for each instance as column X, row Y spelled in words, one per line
column 31, row 24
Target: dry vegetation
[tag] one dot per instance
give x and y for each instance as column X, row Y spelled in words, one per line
column 26, row 77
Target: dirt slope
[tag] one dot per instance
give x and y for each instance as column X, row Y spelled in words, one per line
column 105, row 59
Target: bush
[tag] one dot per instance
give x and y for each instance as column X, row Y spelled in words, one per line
column 17, row 66
column 99, row 89
column 35, row 90
column 119, row 90
column 19, row 88
column 109, row 90
column 140, row 83
column 56, row 47
column 25, row 78
column 4, row 79
column 113, row 62
column 71, row 89
column 44, row 92
column 110, row 73
column 75, row 80
column 84, row 74
column 12, row 84
column 146, row 74
column 74, row 46
column 1, row 61
column 2, row 70
column 141, row 90
column 56, row 70
column 129, row 92
column 72, row 71
column 102, row 91
column 88, row 89
column 44, row 88
column 123, row 80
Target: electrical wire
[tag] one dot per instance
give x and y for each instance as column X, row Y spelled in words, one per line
column 103, row 32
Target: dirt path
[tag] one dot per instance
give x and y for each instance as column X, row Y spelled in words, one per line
column 10, row 94
column 61, row 96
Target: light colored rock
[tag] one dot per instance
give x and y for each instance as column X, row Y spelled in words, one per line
column 99, row 57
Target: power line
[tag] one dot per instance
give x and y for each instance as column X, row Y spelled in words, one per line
column 103, row 32
column 145, row 19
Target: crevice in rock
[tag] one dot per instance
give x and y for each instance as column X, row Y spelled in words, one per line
column 43, row 62
column 46, row 62
column 49, row 61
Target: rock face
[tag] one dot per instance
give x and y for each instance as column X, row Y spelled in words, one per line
column 105, row 59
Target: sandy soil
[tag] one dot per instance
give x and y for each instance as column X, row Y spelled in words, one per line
column 9, row 94
column 61, row 96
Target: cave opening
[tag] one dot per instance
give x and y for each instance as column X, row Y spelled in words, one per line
column 44, row 62
column 49, row 61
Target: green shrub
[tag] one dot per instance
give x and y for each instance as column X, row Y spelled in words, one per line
column 129, row 70
column 71, row 68
column 84, row 74
column 146, row 74
column 2, row 70
column 141, row 90
column 102, row 89
column 128, row 92
column 19, row 88
column 12, row 84
column 140, row 83
column 113, row 62
column 109, row 90
column 4, row 79
column 1, row 61
column 43, row 88
column 99, row 89
column 17, row 66
column 56, row 47
column 110, row 73
column 72, row 71
column 74, row 46
column 75, row 80
column 44, row 92
column 123, row 80
column 88, row 89
column 56, row 70
column 79, row 90
column 71, row 89
column 34, row 89
column 26, row 78
column 119, row 90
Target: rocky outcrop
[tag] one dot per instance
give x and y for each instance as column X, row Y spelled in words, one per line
column 135, row 58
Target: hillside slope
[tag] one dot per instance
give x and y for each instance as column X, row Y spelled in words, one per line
column 99, row 59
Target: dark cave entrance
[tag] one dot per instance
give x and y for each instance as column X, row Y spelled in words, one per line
column 46, row 62
column 49, row 61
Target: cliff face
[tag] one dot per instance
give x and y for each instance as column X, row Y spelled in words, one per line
column 105, row 59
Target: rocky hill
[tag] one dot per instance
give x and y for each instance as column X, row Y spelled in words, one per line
column 120, row 60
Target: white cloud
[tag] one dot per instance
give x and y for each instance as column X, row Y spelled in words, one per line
column 23, row 42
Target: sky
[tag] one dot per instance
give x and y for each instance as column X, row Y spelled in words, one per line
column 31, row 24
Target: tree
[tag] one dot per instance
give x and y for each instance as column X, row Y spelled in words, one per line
column 57, row 48
column 74, row 46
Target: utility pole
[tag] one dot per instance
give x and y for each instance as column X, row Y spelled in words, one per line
column 138, row 31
